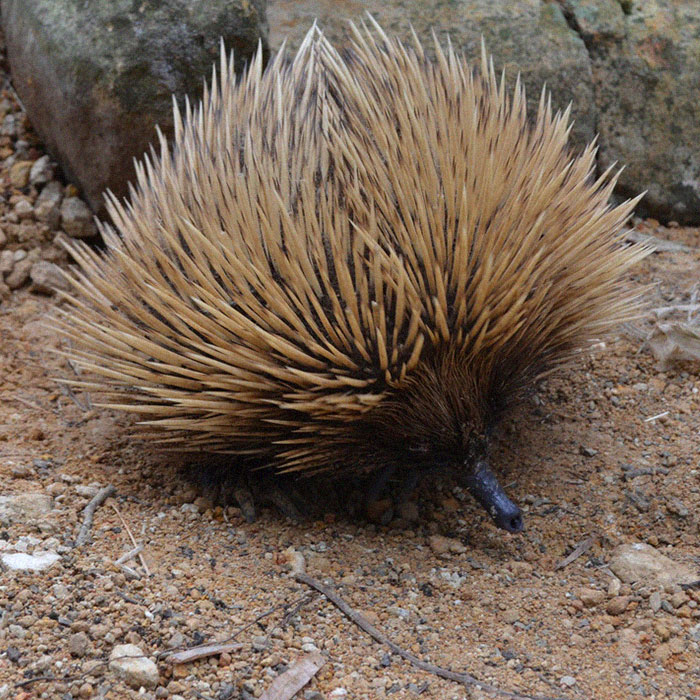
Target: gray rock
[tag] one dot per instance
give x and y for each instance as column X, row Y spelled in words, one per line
column 132, row 665
column 47, row 277
column 21, row 561
column 24, row 507
column 60, row 590
column 77, row 219
column 47, row 205
column 645, row 63
column 641, row 562
column 24, row 209
column 20, row 274
column 10, row 124
column 42, row 171
column 78, row 644
column 7, row 262
column 96, row 77
column 530, row 36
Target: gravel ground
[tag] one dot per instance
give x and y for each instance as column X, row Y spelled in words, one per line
column 602, row 455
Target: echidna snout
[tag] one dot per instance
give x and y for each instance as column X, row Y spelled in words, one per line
column 484, row 486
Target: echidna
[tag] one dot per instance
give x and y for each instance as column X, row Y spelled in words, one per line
column 347, row 264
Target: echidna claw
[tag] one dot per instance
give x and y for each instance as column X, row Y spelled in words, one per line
column 244, row 499
column 284, row 504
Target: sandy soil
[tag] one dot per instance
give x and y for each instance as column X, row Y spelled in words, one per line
column 582, row 457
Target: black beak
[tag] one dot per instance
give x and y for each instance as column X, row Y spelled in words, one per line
column 484, row 486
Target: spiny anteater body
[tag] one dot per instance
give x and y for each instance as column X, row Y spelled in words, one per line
column 349, row 263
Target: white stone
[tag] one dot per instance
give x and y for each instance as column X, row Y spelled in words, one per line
column 42, row 171
column 47, row 277
column 641, row 562
column 24, row 507
column 76, row 219
column 20, row 561
column 133, row 666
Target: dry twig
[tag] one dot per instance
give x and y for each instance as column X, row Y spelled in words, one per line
column 288, row 684
column 661, row 245
column 201, row 651
column 363, row 623
column 295, row 605
column 89, row 512
column 579, row 549
column 129, row 555
column 133, row 540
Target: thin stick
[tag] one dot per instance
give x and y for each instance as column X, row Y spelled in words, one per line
column 651, row 419
column 579, row 549
column 86, row 394
column 129, row 555
column 361, row 621
column 27, row 402
column 248, row 625
column 89, row 512
column 201, row 651
column 71, row 395
column 661, row 245
column 288, row 616
column 666, row 310
column 133, row 540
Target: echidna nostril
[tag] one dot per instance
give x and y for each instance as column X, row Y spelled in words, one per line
column 516, row 523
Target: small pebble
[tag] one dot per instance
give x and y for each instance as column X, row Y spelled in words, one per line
column 131, row 664
column 444, row 545
column 77, row 219
column 47, row 277
column 78, row 644
column 678, row 599
column 41, row 171
column 20, row 274
column 591, row 597
column 617, row 605
column 19, row 173
column 24, row 209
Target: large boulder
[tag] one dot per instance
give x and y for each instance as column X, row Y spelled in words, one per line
column 646, row 69
column 96, row 76
column 630, row 69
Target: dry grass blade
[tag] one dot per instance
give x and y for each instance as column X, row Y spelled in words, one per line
column 201, row 652
column 89, row 513
column 142, row 559
column 581, row 548
column 288, row 684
